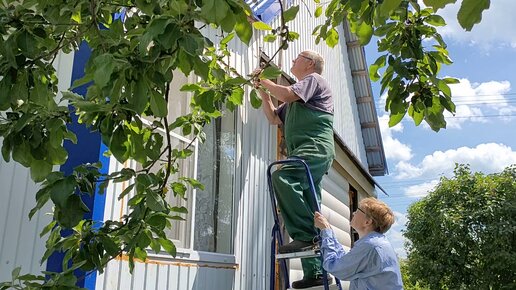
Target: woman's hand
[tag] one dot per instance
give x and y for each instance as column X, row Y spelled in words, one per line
column 320, row 221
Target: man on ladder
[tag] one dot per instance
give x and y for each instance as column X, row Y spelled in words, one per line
column 307, row 118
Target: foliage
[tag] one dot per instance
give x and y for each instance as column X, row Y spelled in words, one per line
column 128, row 74
column 133, row 61
column 408, row 280
column 413, row 51
column 462, row 235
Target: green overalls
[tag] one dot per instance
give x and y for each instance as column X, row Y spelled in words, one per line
column 308, row 135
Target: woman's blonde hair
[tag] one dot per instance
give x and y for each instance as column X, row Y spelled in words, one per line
column 379, row 212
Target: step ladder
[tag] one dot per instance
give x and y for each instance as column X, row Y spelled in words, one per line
column 277, row 236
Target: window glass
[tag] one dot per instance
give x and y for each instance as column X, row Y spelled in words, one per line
column 216, row 170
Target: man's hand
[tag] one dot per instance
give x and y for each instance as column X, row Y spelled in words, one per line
column 256, row 77
column 320, row 221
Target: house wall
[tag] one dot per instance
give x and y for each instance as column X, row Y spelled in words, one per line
column 20, row 244
column 248, row 267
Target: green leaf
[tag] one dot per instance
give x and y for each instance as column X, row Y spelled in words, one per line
column 158, row 105
column 73, row 212
column 193, row 182
column 27, row 43
column 270, row 72
column 435, row 20
column 417, row 116
column 62, row 190
column 256, row 102
column 178, row 189
column 105, row 66
column 119, row 144
column 388, row 6
column 237, row 96
column 318, row 11
column 437, row 4
column 364, row 33
column 140, row 95
column 39, row 169
column 228, row 38
column 451, row 81
column 447, row 104
column 243, row 28
column 155, row 246
column 190, row 88
column 444, row 88
column 206, row 101
column 109, row 245
column 155, row 202
column 270, row 38
column 168, row 246
column 140, row 254
column 181, row 209
column 395, row 118
column 470, row 12
column 290, row 14
column 5, row 93
column 15, row 273
column 261, row 25
column 228, row 23
column 157, row 221
column 215, row 10
column 332, row 37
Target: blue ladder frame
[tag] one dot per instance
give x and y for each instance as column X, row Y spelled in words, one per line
column 276, row 232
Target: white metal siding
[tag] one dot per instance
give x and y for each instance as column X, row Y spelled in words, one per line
column 20, row 244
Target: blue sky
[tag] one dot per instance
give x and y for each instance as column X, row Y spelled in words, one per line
column 484, row 61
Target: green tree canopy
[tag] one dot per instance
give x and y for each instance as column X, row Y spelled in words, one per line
column 128, row 75
column 463, row 234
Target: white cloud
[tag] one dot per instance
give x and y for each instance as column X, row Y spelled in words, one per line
column 394, row 149
column 496, row 26
column 395, row 236
column 487, row 158
column 420, row 190
column 479, row 99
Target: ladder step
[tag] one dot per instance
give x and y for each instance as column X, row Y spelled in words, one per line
column 305, row 254
column 332, row 287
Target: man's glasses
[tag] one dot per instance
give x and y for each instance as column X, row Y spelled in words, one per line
column 307, row 57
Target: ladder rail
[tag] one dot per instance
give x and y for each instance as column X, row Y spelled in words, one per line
column 276, row 233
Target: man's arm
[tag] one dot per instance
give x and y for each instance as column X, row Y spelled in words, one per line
column 282, row 93
column 269, row 109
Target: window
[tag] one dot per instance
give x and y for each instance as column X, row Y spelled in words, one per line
column 213, row 164
column 216, row 170
column 353, row 206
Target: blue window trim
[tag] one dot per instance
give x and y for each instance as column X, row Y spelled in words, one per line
column 265, row 10
column 89, row 149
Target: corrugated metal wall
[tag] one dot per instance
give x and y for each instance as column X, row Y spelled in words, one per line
column 256, row 145
column 256, row 142
column 337, row 71
column 20, row 244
